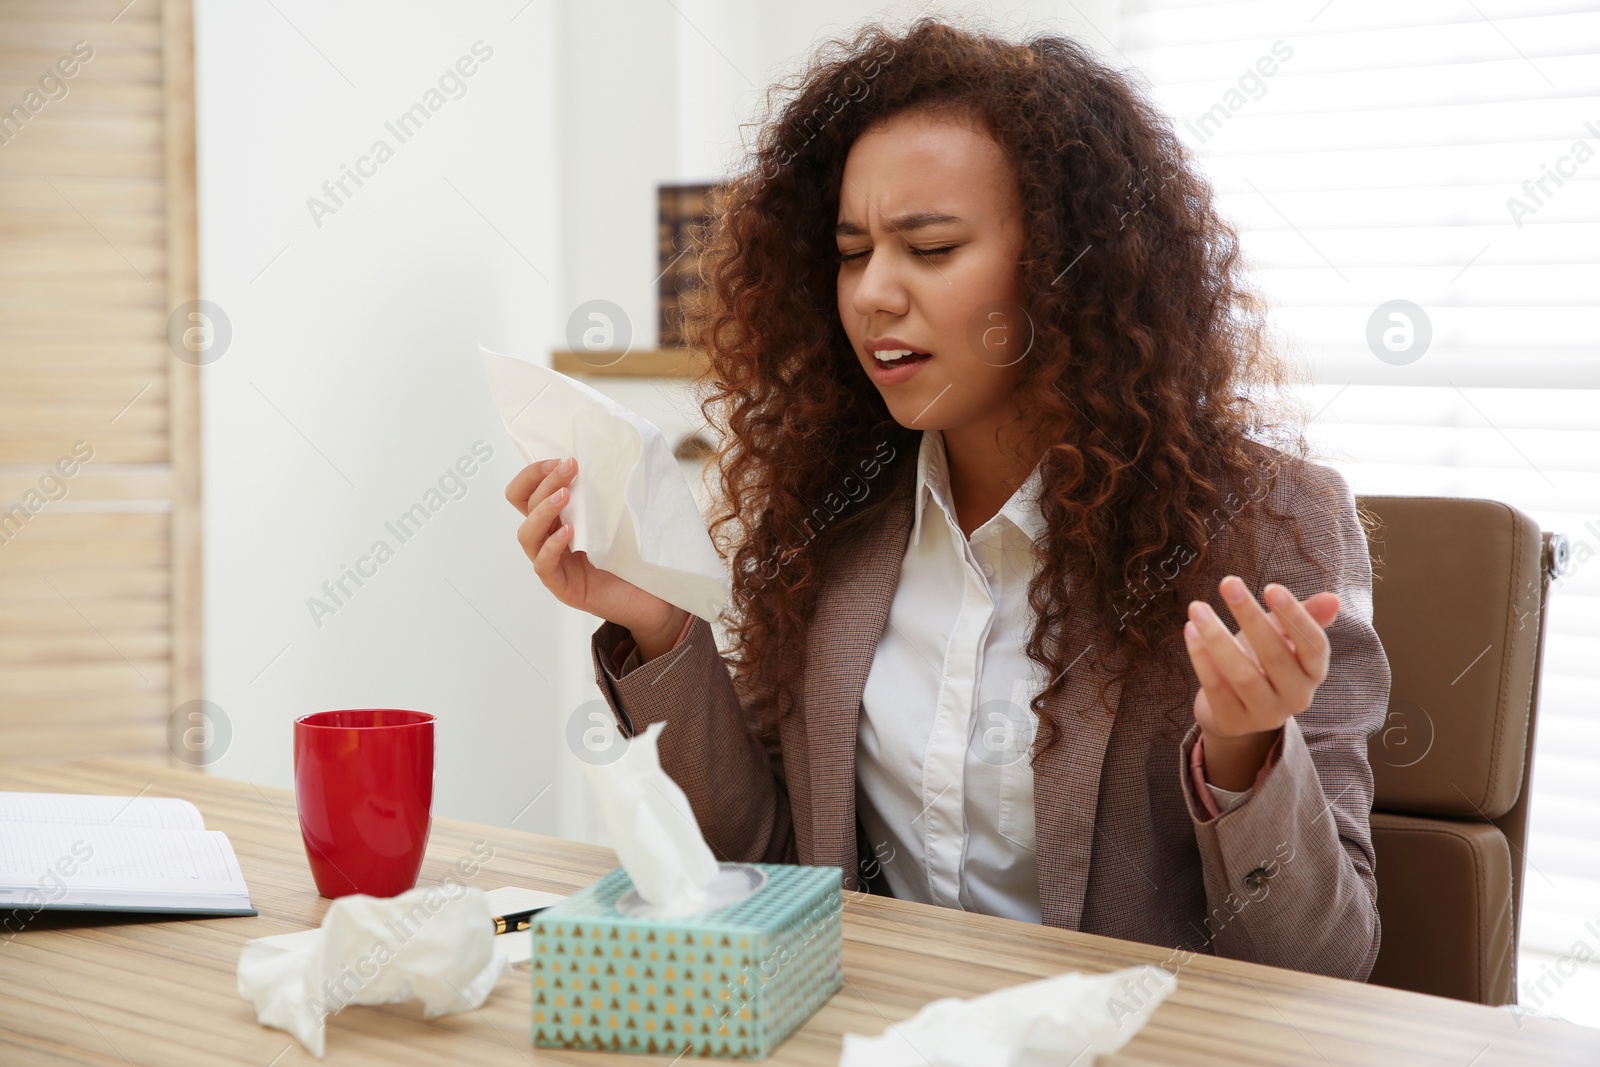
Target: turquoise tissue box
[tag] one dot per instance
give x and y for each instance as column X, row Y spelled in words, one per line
column 733, row 982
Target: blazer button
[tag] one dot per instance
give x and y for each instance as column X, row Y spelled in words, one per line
column 1255, row 878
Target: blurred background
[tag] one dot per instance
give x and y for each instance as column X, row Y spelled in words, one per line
column 248, row 250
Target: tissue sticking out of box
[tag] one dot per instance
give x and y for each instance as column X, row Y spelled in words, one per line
column 657, row 838
column 631, row 510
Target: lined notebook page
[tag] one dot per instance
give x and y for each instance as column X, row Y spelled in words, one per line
column 170, row 812
column 137, row 854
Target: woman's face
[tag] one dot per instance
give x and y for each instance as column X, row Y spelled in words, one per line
column 929, row 233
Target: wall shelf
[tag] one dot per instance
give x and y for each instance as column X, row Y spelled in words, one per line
column 644, row 363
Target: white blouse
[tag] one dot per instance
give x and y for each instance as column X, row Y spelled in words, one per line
column 944, row 786
column 944, row 783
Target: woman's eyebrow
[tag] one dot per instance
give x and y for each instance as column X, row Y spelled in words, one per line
column 911, row 220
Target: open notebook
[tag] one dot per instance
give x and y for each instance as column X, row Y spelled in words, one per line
column 79, row 852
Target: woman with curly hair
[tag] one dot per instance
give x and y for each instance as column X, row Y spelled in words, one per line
column 1004, row 462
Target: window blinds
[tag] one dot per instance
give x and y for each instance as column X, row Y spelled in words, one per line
column 1446, row 154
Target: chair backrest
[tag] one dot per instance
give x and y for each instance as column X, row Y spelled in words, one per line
column 1459, row 596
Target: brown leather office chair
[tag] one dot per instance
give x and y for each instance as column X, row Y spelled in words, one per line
column 1459, row 596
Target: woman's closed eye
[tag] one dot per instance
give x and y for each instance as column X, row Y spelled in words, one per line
column 846, row 257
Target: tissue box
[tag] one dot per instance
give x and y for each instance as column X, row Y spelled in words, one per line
column 732, row 982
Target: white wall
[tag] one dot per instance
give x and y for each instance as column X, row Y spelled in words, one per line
column 351, row 383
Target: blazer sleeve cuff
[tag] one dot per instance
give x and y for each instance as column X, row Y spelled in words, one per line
column 1286, row 786
column 626, row 655
column 1212, row 800
column 631, row 690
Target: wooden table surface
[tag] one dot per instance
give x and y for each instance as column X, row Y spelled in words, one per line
column 114, row 990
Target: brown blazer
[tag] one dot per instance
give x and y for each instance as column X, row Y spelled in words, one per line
column 1124, row 847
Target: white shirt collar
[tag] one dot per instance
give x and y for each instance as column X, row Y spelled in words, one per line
column 933, row 481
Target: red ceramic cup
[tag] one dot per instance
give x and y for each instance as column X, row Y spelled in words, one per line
column 363, row 780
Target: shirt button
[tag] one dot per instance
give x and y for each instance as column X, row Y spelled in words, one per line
column 988, row 571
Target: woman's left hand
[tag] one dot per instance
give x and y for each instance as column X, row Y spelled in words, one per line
column 1253, row 681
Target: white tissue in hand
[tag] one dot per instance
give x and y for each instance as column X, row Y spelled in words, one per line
column 1052, row 1021
column 631, row 510
column 421, row 945
column 653, row 828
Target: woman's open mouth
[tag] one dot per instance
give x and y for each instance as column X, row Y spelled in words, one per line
column 900, row 357
column 894, row 365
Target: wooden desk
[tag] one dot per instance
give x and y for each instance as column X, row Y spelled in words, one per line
column 112, row 990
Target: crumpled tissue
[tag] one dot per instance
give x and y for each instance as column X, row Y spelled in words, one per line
column 420, row 945
column 657, row 839
column 631, row 510
column 1053, row 1021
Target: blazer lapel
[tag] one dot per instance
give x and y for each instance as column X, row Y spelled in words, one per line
column 852, row 611
column 1066, row 778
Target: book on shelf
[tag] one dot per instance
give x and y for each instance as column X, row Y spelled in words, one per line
column 82, row 852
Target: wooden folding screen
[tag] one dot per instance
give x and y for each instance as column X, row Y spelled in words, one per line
column 99, row 422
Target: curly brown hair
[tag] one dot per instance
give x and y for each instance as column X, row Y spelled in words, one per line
column 1150, row 373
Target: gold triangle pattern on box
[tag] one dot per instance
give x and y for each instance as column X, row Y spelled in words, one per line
column 731, row 983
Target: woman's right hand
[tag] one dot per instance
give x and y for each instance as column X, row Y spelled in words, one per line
column 539, row 491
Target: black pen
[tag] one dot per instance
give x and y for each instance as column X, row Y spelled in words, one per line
column 515, row 921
